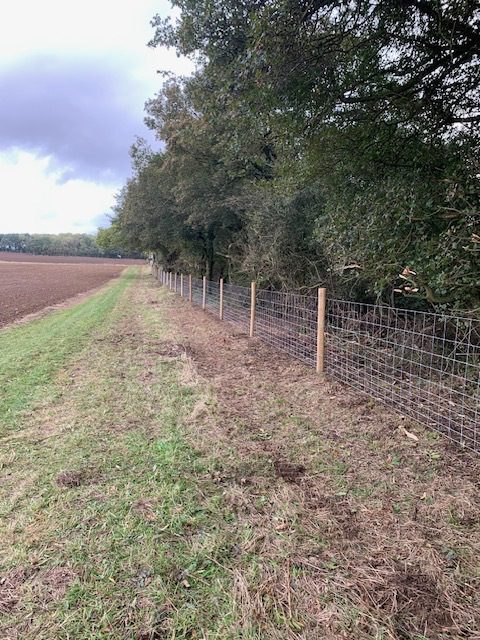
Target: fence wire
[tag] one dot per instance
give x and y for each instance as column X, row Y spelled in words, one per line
column 288, row 321
column 236, row 305
column 197, row 291
column 425, row 365
column 186, row 287
column 212, row 297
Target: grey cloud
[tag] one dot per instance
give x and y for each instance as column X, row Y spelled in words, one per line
column 84, row 112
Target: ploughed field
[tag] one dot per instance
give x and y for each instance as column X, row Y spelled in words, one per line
column 10, row 256
column 30, row 283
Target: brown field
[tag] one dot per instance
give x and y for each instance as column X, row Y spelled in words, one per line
column 28, row 287
column 9, row 256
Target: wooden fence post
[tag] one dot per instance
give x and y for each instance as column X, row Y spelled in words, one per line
column 220, row 311
column 204, row 296
column 253, row 292
column 170, row 280
column 181, row 285
column 322, row 298
column 190, row 294
column 175, row 283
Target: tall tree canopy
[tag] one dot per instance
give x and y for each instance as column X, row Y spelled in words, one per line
column 318, row 142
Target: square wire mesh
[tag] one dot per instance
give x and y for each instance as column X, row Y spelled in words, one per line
column 288, row 321
column 213, row 297
column 425, row 365
column 181, row 285
column 197, row 291
column 236, row 305
column 186, row 287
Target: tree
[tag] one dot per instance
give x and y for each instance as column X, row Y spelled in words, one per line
column 341, row 146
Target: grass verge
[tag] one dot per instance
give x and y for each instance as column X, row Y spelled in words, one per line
column 31, row 354
column 111, row 523
column 140, row 501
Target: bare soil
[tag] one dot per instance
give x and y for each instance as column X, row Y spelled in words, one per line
column 10, row 256
column 367, row 524
column 26, row 288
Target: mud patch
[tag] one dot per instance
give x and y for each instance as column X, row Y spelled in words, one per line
column 10, row 589
column 410, row 594
column 77, row 478
column 288, row 471
column 170, row 349
column 21, row 584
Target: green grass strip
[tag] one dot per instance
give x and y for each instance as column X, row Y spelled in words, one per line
column 32, row 354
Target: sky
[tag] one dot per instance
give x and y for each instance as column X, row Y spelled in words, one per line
column 74, row 78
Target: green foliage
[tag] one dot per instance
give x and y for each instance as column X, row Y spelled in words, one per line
column 339, row 147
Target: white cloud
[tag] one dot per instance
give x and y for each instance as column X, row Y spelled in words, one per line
column 35, row 199
column 96, row 27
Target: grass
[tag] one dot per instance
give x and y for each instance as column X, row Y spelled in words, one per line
column 31, row 354
column 140, row 502
column 110, row 520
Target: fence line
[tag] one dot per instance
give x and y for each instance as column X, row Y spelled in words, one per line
column 425, row 365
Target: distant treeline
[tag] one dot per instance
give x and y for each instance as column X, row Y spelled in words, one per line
column 61, row 244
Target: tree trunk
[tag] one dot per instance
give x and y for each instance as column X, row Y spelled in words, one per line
column 210, row 254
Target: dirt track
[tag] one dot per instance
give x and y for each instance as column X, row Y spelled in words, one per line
column 29, row 287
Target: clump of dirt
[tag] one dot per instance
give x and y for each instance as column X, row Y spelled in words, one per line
column 408, row 594
column 10, row 587
column 169, row 349
column 76, row 478
column 146, row 509
column 351, row 401
column 288, row 471
column 53, row 583
column 21, row 584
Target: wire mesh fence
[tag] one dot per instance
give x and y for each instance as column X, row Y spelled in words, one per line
column 236, row 305
column 197, row 291
column 424, row 365
column 186, row 287
column 212, row 297
column 288, row 321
